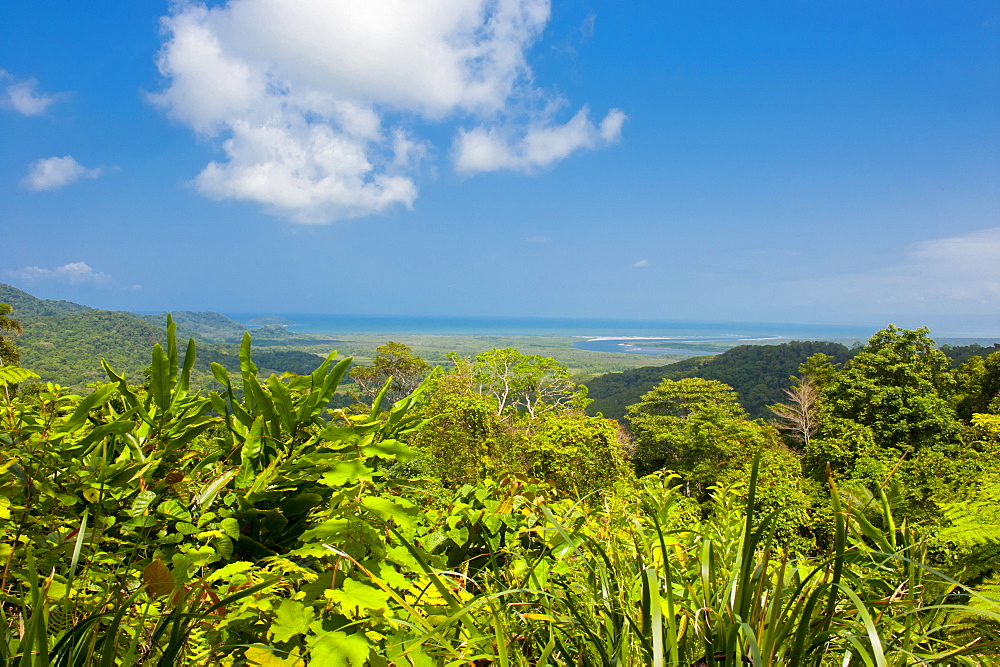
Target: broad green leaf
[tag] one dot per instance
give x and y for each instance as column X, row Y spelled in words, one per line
column 403, row 512
column 230, row 570
column 292, row 618
column 356, row 596
column 207, row 495
column 283, row 404
column 327, row 529
column 173, row 509
column 100, row 433
column 337, row 649
column 185, row 379
column 230, row 527
column 142, row 503
column 95, row 399
column 346, row 472
column 220, row 373
column 263, row 656
column 389, row 449
column 159, row 380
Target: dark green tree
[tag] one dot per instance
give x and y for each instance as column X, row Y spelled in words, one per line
column 9, row 327
column 978, row 386
column 695, row 427
column 900, row 387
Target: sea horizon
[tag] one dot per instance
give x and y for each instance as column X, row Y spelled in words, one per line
column 585, row 328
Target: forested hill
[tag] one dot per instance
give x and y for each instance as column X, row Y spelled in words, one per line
column 759, row 373
column 27, row 306
column 64, row 342
column 209, row 326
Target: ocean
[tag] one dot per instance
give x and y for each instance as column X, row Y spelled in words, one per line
column 610, row 334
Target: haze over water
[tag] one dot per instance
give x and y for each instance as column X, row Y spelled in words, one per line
column 582, row 327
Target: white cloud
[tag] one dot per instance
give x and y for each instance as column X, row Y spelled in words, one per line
column 56, row 172
column 74, row 273
column 312, row 99
column 641, row 264
column 24, row 96
column 537, row 239
column 483, row 149
column 954, row 275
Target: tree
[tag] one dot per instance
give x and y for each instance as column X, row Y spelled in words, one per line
column 392, row 360
column 819, row 369
column 9, row 354
column 577, row 453
column 528, row 382
column 464, row 438
column 800, row 415
column 900, row 387
column 695, row 427
column 978, row 382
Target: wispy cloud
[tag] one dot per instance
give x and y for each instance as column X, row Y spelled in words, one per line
column 315, row 102
column 641, row 264
column 56, row 172
column 525, row 149
column 958, row 274
column 74, row 273
column 537, row 239
column 24, row 96
column 587, row 27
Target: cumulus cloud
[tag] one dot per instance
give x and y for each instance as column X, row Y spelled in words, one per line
column 314, row 102
column 958, row 274
column 74, row 273
column 24, row 96
column 641, row 264
column 490, row 149
column 56, row 172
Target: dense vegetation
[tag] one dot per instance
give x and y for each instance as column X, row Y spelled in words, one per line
column 63, row 341
column 758, row 373
column 479, row 516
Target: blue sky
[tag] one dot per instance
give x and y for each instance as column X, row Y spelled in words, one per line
column 789, row 161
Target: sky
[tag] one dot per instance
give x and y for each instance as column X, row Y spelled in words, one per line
column 797, row 161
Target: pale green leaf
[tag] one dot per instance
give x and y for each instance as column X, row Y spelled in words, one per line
column 292, row 618
column 337, row 649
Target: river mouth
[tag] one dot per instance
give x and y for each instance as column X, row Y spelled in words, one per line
column 636, row 345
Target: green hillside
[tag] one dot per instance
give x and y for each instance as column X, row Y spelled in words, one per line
column 28, row 306
column 759, row 374
column 64, row 342
column 206, row 326
column 68, row 348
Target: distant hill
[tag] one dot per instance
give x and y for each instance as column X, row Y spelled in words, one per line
column 27, row 306
column 959, row 354
column 206, row 326
column 759, row 374
column 64, row 342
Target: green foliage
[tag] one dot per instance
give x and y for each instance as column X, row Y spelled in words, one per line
column 577, row 453
column 9, row 327
column 396, row 364
column 758, row 373
column 152, row 524
column 211, row 327
column 695, row 427
column 978, row 381
column 476, row 431
column 899, row 386
column 526, row 382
